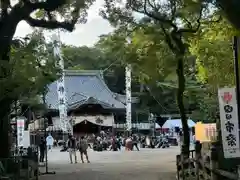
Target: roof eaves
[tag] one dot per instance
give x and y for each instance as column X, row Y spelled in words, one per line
column 76, row 104
column 100, row 76
column 82, row 72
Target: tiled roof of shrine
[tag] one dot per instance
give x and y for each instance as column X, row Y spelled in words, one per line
column 83, row 86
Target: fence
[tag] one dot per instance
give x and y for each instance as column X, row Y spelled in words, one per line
column 202, row 166
column 20, row 167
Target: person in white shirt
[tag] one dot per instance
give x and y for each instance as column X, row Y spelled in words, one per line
column 148, row 141
column 49, row 141
column 99, row 139
column 194, row 138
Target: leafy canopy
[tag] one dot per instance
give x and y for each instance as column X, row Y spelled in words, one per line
column 32, row 68
column 50, row 14
column 213, row 50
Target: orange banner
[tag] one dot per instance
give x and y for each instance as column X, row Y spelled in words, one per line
column 205, row 132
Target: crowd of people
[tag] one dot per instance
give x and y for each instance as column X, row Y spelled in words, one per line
column 101, row 142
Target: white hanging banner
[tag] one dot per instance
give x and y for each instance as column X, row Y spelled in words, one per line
column 128, row 97
column 20, row 132
column 61, row 87
column 229, row 122
column 26, row 139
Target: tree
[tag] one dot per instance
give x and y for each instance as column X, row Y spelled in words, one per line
column 83, row 57
column 176, row 20
column 32, row 68
column 46, row 15
column 151, row 62
column 212, row 47
column 230, row 8
column 108, row 55
column 94, row 58
column 42, row 14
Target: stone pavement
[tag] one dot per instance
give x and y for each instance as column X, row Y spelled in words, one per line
column 147, row 164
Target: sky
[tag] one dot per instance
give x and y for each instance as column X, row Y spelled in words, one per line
column 84, row 34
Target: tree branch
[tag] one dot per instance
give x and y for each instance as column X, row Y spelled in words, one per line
column 5, row 4
column 216, row 20
column 50, row 24
column 173, row 8
column 193, row 30
column 132, row 5
column 151, row 15
column 151, row 5
column 189, row 24
column 159, row 18
column 168, row 39
column 48, row 5
column 177, row 39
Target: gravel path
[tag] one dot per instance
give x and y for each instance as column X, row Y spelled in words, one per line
column 147, row 164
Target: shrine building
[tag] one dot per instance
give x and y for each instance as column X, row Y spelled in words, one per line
column 91, row 105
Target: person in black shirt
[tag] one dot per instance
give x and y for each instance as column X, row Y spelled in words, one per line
column 135, row 142
column 42, row 148
column 72, row 148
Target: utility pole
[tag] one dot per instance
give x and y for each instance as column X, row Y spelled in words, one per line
column 45, row 134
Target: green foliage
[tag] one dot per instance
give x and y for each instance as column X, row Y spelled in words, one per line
column 86, row 58
column 152, row 62
column 82, row 57
column 212, row 48
column 13, row 80
column 149, row 56
column 32, row 68
column 111, row 54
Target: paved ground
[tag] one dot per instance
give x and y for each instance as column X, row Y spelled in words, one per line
column 147, row 164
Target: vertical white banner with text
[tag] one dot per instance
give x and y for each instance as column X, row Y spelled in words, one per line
column 229, row 122
column 20, row 132
column 128, row 97
column 61, row 86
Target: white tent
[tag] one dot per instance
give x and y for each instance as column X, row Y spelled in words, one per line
column 157, row 126
column 172, row 123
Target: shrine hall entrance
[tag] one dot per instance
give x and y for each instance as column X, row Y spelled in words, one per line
column 86, row 127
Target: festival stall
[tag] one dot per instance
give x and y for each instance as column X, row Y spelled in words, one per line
column 171, row 124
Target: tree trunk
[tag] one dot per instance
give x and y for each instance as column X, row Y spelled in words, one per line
column 5, row 127
column 5, row 109
column 7, row 31
column 6, row 102
column 180, row 91
column 178, row 47
column 186, row 137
